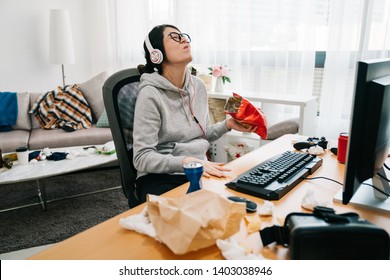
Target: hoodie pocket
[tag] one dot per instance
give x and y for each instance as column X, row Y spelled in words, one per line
column 196, row 148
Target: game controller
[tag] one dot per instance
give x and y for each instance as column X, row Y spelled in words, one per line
column 311, row 141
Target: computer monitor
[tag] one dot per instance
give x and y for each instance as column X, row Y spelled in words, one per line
column 369, row 138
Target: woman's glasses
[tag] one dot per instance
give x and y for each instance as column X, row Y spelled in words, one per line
column 178, row 37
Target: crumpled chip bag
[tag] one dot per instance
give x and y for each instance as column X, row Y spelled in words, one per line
column 194, row 221
column 246, row 113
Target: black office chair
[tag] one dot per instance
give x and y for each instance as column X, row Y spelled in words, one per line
column 120, row 92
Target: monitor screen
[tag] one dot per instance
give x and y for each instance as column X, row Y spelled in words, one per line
column 365, row 182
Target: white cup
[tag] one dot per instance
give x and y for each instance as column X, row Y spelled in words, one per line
column 22, row 154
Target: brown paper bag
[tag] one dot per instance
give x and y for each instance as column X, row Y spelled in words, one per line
column 194, row 221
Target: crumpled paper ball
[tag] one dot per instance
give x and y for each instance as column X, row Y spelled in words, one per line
column 267, row 209
column 140, row 223
column 231, row 250
column 315, row 150
column 309, row 201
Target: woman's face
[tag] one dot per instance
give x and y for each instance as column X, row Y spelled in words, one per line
column 177, row 48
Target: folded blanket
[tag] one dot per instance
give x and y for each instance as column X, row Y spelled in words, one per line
column 8, row 110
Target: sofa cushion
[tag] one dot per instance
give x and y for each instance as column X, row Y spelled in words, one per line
column 103, row 120
column 58, row 138
column 34, row 97
column 10, row 140
column 93, row 93
column 23, row 122
column 290, row 126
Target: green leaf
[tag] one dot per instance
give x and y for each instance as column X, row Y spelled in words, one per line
column 225, row 79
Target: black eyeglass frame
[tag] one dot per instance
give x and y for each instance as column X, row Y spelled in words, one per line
column 180, row 37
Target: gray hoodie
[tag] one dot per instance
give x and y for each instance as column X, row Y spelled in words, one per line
column 164, row 129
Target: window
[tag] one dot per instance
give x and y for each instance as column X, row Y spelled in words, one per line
column 271, row 46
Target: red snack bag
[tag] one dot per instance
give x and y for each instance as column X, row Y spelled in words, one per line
column 246, row 113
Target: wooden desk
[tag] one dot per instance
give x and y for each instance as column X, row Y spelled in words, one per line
column 109, row 240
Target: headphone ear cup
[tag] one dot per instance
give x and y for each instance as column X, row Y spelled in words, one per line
column 156, row 56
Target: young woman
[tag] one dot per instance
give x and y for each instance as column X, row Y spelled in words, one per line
column 171, row 124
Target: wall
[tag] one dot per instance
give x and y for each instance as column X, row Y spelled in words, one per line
column 24, row 47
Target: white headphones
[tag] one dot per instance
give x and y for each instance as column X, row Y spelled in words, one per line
column 156, row 55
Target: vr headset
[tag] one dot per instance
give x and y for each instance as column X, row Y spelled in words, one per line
column 324, row 235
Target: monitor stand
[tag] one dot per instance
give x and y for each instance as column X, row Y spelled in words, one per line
column 366, row 197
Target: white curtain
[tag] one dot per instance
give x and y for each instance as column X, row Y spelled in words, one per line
column 270, row 47
column 117, row 29
column 357, row 30
column 102, row 34
column 267, row 45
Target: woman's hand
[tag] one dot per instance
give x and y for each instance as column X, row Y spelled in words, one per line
column 209, row 168
column 236, row 125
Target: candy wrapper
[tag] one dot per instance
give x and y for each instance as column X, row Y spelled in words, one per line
column 246, row 113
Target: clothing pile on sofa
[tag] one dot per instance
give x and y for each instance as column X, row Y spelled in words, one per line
column 28, row 130
column 64, row 108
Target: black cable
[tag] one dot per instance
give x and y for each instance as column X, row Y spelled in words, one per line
column 383, row 177
column 382, row 192
column 314, row 178
column 385, row 165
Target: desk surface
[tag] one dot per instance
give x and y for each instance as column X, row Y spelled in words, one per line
column 109, row 240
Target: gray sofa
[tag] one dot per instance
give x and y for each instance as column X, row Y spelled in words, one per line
column 27, row 131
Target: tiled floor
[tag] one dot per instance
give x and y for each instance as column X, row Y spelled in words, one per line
column 23, row 254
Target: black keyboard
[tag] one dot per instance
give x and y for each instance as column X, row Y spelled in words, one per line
column 275, row 177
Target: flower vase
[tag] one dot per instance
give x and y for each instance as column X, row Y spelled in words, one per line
column 218, row 85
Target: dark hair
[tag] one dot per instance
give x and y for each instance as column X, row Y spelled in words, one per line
column 156, row 37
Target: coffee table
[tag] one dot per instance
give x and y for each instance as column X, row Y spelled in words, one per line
column 49, row 168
